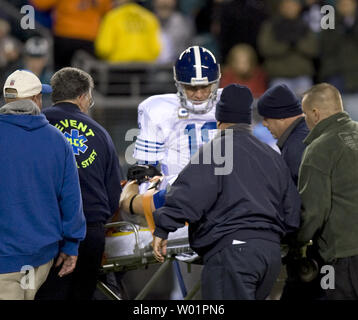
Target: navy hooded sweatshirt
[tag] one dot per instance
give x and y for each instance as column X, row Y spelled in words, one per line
column 40, row 200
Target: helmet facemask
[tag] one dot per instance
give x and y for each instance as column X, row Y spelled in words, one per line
column 195, row 106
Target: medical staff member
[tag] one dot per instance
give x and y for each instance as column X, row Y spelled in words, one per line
column 99, row 172
column 236, row 219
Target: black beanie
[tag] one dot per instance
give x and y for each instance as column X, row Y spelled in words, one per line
column 235, row 105
column 279, row 102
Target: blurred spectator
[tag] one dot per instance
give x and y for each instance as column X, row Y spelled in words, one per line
column 288, row 47
column 339, row 51
column 10, row 47
column 36, row 59
column 4, row 34
column 207, row 26
column 177, row 30
column 75, row 26
column 129, row 33
column 190, row 7
column 242, row 68
column 10, row 51
column 311, row 14
column 239, row 22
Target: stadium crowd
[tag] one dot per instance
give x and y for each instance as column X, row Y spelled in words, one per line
column 258, row 43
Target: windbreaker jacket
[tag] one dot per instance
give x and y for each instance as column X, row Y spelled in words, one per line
column 328, row 185
column 40, row 200
column 129, row 33
column 257, row 199
column 97, row 161
column 76, row 19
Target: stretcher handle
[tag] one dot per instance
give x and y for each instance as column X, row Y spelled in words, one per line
column 125, row 223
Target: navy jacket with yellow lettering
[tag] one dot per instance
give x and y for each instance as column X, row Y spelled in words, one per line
column 98, row 165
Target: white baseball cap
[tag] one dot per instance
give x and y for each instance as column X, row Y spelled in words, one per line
column 26, row 84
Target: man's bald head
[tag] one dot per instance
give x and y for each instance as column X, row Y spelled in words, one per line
column 325, row 97
column 320, row 102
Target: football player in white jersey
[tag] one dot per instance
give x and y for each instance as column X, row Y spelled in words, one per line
column 174, row 126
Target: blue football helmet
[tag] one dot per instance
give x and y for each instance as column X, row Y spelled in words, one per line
column 197, row 66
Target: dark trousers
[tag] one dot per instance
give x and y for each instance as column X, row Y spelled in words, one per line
column 346, row 279
column 81, row 283
column 242, row 272
column 65, row 48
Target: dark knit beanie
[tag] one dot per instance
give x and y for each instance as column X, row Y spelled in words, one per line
column 235, row 105
column 279, row 102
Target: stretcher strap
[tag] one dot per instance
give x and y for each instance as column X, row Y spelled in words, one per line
column 180, row 278
column 147, row 199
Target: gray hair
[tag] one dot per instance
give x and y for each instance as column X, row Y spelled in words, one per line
column 69, row 83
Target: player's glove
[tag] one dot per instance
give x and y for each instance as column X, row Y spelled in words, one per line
column 142, row 172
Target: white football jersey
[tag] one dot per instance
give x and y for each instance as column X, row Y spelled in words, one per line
column 170, row 134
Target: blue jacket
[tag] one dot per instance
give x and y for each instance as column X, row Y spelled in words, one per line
column 258, row 199
column 97, row 162
column 40, row 200
column 292, row 146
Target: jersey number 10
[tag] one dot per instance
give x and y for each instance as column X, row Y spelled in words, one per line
column 190, row 130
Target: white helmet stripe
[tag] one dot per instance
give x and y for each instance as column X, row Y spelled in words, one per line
column 209, row 52
column 185, row 51
column 197, row 65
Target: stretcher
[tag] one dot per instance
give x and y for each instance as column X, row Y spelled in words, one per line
column 128, row 247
